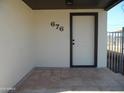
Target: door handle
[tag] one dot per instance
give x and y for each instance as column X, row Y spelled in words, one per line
column 73, row 42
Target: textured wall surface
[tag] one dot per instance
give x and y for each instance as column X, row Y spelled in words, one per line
column 53, row 46
column 27, row 40
column 15, row 42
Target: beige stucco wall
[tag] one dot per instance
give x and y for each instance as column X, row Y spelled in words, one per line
column 53, row 46
column 16, row 35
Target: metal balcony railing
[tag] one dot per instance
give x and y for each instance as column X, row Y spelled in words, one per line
column 115, row 51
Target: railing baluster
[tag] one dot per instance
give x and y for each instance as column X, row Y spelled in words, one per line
column 107, row 49
column 109, row 60
column 118, row 52
column 122, row 50
column 111, row 51
column 114, row 62
column 119, row 55
column 115, row 52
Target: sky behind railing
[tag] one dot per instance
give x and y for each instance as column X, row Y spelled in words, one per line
column 116, row 18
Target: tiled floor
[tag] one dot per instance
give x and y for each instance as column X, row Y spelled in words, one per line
column 61, row 80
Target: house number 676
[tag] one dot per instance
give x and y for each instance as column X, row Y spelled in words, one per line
column 57, row 26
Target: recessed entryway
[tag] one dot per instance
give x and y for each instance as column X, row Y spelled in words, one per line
column 28, row 40
column 83, row 39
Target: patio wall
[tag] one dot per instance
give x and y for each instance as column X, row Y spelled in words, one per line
column 16, row 30
column 53, row 46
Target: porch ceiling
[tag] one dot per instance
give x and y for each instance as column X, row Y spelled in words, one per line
column 77, row 4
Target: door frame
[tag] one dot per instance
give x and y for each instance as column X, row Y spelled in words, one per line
column 95, row 14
